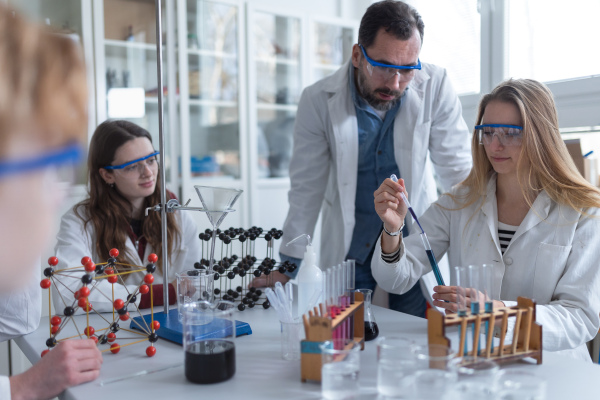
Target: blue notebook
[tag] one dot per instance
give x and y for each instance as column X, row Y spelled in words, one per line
column 171, row 328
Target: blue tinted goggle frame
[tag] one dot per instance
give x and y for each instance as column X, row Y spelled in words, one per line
column 378, row 64
column 69, row 154
column 498, row 126
column 121, row 166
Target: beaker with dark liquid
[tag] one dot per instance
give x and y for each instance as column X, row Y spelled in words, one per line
column 209, row 341
column 371, row 328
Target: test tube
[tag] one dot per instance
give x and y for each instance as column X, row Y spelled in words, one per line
column 486, row 277
column 351, row 282
column 460, row 276
column 473, row 287
column 473, row 284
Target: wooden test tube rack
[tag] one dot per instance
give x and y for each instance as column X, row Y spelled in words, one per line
column 319, row 328
column 527, row 335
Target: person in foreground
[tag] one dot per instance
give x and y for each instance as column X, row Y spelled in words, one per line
column 43, row 122
column 123, row 182
column 524, row 208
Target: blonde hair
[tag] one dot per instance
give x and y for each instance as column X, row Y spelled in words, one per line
column 43, row 94
column 544, row 162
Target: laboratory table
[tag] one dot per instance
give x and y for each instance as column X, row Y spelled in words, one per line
column 262, row 373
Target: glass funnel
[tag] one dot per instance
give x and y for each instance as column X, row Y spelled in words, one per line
column 371, row 328
column 217, row 202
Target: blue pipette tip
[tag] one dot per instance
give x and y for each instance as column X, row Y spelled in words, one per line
column 584, row 156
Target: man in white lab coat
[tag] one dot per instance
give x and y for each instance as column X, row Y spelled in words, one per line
column 383, row 112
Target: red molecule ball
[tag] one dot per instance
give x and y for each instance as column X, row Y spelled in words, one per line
column 115, row 348
column 89, row 331
column 111, row 337
column 156, row 325
column 85, row 260
column 45, row 352
column 82, row 302
column 76, row 295
column 53, row 261
column 152, row 258
column 94, row 338
column 113, row 279
column 84, row 291
column 89, row 267
column 114, row 253
column 149, row 278
column 150, row 351
column 45, row 283
column 124, row 317
column 118, row 304
column 87, row 307
column 109, row 271
column 54, row 330
column 56, row 320
column 144, row 289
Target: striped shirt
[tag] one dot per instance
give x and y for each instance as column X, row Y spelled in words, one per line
column 505, row 234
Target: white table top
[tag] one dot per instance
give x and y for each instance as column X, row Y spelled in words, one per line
column 261, row 373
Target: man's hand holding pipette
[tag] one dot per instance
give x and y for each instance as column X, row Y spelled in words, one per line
column 392, row 210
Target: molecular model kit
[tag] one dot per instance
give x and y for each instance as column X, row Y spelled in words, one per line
column 238, row 263
column 88, row 276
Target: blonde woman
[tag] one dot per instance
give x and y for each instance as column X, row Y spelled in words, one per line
column 43, row 122
column 523, row 208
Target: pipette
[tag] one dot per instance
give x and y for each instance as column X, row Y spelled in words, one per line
column 430, row 255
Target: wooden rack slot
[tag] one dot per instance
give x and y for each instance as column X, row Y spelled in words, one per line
column 526, row 340
column 319, row 328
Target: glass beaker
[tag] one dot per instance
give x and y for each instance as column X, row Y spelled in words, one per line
column 340, row 367
column 371, row 328
column 209, row 341
column 194, row 285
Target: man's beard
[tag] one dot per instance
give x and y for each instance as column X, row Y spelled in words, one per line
column 369, row 95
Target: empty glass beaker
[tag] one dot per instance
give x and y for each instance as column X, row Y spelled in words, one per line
column 371, row 328
column 194, row 285
column 209, row 347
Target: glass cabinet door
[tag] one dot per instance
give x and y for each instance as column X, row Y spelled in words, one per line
column 213, row 86
column 129, row 61
column 278, row 68
column 331, row 47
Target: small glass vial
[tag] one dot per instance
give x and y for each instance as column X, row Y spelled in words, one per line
column 371, row 328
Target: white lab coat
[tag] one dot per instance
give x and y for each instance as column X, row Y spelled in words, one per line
column 429, row 131
column 21, row 310
column 552, row 259
column 74, row 242
column 20, row 313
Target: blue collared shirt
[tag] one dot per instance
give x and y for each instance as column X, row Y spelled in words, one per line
column 376, row 162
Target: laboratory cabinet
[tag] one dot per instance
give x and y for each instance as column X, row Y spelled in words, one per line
column 233, row 73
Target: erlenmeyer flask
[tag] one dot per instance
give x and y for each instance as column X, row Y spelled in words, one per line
column 371, row 328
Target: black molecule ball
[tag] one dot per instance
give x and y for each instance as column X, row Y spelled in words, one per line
column 51, row 342
column 153, row 338
column 68, row 311
column 257, row 273
column 266, row 304
column 86, row 279
column 151, row 268
column 49, row 272
column 241, row 307
column 217, row 291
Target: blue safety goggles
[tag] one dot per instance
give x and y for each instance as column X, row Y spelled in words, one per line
column 121, row 166
column 508, row 135
column 69, row 155
column 387, row 71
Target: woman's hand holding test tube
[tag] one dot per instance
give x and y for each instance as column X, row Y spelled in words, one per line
column 392, row 209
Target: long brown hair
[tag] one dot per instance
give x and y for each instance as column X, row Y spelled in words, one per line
column 544, row 162
column 106, row 208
